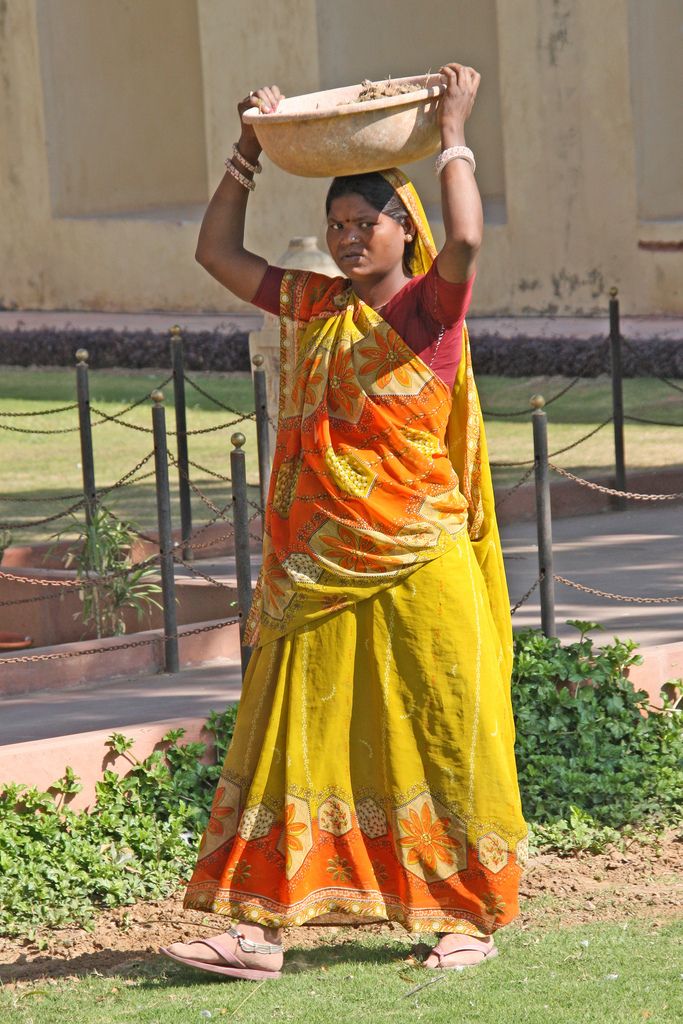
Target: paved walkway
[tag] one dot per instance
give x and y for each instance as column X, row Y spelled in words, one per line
column 637, row 553
column 636, row 328
column 192, row 693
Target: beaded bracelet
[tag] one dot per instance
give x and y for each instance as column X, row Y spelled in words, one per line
column 242, row 160
column 455, row 153
column 238, row 176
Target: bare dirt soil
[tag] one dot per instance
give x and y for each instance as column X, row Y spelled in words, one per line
column 375, row 90
column 641, row 882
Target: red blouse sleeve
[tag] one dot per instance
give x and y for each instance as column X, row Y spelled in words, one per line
column 446, row 302
column 268, row 293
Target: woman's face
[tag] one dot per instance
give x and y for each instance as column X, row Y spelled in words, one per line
column 363, row 243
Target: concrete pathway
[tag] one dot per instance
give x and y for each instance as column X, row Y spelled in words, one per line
column 638, row 553
column 159, row 323
column 636, row 328
column 119, row 703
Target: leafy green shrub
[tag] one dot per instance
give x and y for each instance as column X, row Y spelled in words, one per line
column 592, row 768
column 101, row 555
column 585, row 750
column 57, row 865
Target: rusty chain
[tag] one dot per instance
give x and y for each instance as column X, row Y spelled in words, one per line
column 651, row 423
column 56, row 587
column 522, row 480
column 35, row 430
column 585, row 437
column 124, row 481
column 138, row 402
column 216, row 401
column 218, row 513
column 129, row 527
column 207, row 544
column 528, row 594
column 126, row 478
column 41, row 412
column 525, row 412
column 617, row 597
column 610, row 490
column 49, row 596
column 211, row 430
column 62, row 655
column 559, row 451
column 170, row 433
column 202, row 529
column 52, row 497
column 211, row 472
column 30, row 581
column 105, row 417
column 42, row 522
column 194, row 571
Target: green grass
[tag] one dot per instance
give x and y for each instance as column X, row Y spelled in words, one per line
column 584, row 407
column 626, row 973
column 48, row 466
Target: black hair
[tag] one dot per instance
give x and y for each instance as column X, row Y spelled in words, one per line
column 376, row 190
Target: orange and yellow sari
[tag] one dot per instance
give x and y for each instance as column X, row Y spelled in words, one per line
column 371, row 775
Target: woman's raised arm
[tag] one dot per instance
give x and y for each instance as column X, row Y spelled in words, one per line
column 460, row 200
column 220, row 247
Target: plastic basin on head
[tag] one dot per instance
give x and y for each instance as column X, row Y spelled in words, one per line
column 323, row 134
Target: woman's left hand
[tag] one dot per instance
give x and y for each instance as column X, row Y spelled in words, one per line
column 456, row 103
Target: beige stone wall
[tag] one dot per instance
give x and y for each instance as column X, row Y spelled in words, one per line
column 115, row 118
column 134, row 138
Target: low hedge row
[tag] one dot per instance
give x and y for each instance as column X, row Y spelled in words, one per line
column 213, row 350
column 204, row 350
column 531, row 357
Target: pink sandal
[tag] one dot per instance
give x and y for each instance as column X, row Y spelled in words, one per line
column 466, row 944
column 234, row 967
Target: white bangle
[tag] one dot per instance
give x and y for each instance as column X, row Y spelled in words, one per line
column 238, row 176
column 455, row 153
column 254, row 168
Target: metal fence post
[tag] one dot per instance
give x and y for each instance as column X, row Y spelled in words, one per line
column 617, row 394
column 240, row 522
column 85, row 430
column 262, row 429
column 171, row 661
column 178, row 364
column 543, row 516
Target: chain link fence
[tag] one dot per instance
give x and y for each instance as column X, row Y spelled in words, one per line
column 194, row 541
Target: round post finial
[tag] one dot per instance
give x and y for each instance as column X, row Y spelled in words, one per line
column 175, row 331
column 537, row 401
column 157, row 396
column 258, row 360
column 238, row 439
column 613, row 292
column 82, row 355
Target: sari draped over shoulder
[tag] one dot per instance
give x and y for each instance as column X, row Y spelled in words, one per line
column 378, row 464
column 371, row 775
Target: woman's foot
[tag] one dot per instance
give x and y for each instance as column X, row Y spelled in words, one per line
column 244, row 951
column 453, row 951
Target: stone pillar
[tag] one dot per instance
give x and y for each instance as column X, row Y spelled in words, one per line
column 302, row 254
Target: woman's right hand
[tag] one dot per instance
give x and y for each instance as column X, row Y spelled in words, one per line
column 266, row 99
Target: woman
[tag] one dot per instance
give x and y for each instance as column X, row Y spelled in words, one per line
column 371, row 775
